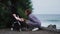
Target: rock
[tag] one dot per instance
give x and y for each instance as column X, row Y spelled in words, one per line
column 52, row 27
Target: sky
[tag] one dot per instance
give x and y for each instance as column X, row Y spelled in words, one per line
column 46, row 6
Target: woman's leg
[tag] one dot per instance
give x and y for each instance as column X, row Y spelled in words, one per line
column 30, row 23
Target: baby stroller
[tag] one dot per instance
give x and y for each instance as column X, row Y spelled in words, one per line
column 17, row 25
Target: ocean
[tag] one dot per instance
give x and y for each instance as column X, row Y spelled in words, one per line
column 47, row 19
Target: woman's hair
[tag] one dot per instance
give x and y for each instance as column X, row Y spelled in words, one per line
column 28, row 11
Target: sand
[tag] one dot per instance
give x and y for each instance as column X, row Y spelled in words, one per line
column 8, row 31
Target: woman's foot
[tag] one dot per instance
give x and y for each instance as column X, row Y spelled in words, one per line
column 35, row 29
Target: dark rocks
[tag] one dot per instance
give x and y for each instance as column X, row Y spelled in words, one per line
column 52, row 27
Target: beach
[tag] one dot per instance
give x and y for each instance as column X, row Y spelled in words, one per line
column 8, row 31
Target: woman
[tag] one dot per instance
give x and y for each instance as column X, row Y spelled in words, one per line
column 32, row 20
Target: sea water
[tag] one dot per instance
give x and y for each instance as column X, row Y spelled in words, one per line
column 47, row 19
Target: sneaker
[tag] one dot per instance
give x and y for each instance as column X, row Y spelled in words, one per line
column 35, row 29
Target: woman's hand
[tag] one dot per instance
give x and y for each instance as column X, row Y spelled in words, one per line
column 22, row 19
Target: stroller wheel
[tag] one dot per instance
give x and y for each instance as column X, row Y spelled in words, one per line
column 11, row 29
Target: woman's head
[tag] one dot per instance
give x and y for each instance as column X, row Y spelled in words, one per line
column 27, row 11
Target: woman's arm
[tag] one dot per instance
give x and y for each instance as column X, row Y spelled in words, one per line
column 33, row 18
column 17, row 18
